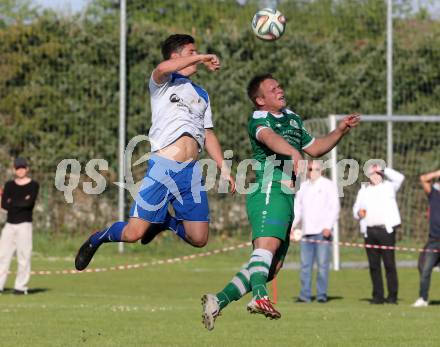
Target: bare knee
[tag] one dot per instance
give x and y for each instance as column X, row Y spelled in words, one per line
column 201, row 243
column 198, row 241
column 196, row 233
column 132, row 234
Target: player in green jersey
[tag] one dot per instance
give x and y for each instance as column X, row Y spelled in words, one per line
column 278, row 140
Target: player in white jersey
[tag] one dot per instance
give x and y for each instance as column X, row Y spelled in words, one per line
column 181, row 128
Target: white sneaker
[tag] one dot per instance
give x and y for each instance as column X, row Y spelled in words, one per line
column 211, row 310
column 420, row 303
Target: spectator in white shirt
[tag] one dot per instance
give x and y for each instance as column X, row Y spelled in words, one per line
column 376, row 207
column 317, row 208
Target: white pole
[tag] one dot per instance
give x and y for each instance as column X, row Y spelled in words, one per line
column 122, row 108
column 390, row 83
column 334, row 170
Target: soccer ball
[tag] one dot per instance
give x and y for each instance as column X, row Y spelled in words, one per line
column 268, row 24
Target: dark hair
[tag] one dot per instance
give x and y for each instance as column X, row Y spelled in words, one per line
column 174, row 43
column 254, row 85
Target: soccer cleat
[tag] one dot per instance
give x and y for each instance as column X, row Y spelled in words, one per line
column 420, row 302
column 20, row 292
column 151, row 233
column 211, row 310
column 263, row 306
column 85, row 255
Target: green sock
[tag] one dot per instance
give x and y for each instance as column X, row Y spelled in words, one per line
column 259, row 266
column 234, row 290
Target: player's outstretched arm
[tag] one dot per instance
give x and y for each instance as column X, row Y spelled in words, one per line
column 426, row 179
column 325, row 144
column 162, row 71
column 279, row 145
column 212, row 146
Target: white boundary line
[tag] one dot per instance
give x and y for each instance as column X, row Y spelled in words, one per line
column 142, row 265
column 217, row 251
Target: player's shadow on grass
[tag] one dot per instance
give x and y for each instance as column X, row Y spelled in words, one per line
column 30, row 291
column 434, row 302
column 369, row 300
column 331, row 298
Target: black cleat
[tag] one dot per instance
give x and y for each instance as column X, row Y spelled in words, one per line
column 151, row 233
column 85, row 255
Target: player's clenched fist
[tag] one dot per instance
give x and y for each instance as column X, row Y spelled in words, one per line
column 211, row 61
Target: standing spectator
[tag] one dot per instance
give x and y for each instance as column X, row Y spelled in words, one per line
column 18, row 200
column 430, row 258
column 317, row 208
column 377, row 209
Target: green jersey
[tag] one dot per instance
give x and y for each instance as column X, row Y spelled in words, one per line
column 289, row 126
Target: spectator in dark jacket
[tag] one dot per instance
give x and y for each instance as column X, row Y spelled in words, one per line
column 18, row 199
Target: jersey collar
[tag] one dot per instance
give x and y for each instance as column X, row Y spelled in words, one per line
column 199, row 90
column 176, row 76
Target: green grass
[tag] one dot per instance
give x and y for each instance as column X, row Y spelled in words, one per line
column 160, row 305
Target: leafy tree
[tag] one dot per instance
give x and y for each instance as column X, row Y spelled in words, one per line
column 59, row 75
column 13, row 11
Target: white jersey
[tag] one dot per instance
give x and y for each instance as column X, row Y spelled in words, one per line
column 178, row 106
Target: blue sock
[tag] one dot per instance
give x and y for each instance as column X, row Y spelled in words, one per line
column 111, row 234
column 175, row 226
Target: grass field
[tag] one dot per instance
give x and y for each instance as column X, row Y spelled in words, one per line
column 160, row 305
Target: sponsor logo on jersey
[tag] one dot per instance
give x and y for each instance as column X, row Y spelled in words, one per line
column 294, row 123
column 174, row 98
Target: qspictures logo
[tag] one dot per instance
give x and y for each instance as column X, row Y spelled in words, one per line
column 69, row 171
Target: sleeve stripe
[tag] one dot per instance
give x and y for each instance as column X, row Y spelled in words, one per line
column 309, row 144
column 258, row 130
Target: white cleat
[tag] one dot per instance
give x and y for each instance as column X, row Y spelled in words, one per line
column 420, row 303
column 211, row 310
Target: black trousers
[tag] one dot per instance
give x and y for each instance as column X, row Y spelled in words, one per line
column 379, row 236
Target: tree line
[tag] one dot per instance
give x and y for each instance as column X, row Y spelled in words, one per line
column 59, row 74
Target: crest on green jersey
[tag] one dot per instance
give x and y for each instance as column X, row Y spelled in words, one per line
column 294, row 124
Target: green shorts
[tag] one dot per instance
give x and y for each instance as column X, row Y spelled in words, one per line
column 271, row 214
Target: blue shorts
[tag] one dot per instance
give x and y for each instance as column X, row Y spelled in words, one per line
column 167, row 181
